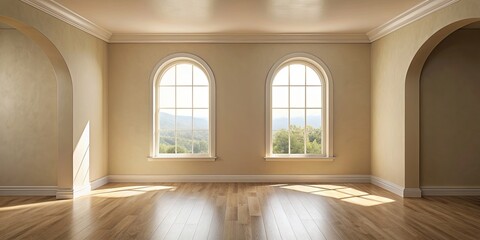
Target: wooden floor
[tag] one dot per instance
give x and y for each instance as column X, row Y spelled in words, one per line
column 240, row 211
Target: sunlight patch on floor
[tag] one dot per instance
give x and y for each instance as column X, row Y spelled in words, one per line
column 128, row 191
column 32, row 205
column 346, row 194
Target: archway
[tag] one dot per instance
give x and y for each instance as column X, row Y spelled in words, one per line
column 64, row 105
column 412, row 101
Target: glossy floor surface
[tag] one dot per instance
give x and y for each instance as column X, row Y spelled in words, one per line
column 240, row 211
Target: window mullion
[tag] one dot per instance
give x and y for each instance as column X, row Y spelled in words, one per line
column 305, row 114
column 289, row 135
column 175, row 125
column 192, row 113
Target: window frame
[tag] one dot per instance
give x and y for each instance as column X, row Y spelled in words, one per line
column 157, row 74
column 324, row 74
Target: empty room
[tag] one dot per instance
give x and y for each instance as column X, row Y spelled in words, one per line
column 240, row 119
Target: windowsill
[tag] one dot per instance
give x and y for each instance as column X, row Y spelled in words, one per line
column 181, row 159
column 301, row 158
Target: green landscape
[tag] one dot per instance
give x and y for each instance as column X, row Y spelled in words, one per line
column 297, row 143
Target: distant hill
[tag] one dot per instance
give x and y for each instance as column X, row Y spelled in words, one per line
column 293, row 121
column 168, row 122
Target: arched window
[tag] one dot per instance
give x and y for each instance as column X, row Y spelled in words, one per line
column 298, row 100
column 184, row 105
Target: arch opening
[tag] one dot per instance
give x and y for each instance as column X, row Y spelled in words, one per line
column 64, row 105
column 412, row 100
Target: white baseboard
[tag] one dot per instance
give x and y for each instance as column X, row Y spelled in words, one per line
column 99, row 182
column 412, row 192
column 450, row 191
column 64, row 193
column 241, row 178
column 28, row 190
column 394, row 188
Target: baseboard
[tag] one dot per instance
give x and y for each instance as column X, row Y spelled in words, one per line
column 394, row 188
column 99, row 182
column 412, row 192
column 241, row 178
column 64, row 193
column 450, row 191
column 28, row 190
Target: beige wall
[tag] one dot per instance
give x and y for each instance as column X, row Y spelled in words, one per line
column 391, row 58
column 28, row 98
column 240, row 71
column 450, row 113
column 86, row 58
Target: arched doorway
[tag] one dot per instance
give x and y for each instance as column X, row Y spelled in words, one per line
column 412, row 100
column 64, row 105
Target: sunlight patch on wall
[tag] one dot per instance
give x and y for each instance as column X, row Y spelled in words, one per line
column 81, row 159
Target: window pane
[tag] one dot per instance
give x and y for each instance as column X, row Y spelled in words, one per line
column 280, row 142
column 184, row 97
column 200, row 97
column 167, row 119
column 200, row 119
column 297, row 118
column 297, row 124
column 200, row 142
column 297, row 74
column 280, row 97
column 166, row 141
column 184, row 119
column 184, row 141
column 297, row 97
column 279, row 119
column 314, row 118
column 166, row 97
column 314, row 97
column 168, row 77
column 314, row 131
column 184, row 74
column 312, row 77
column 282, row 77
column 199, row 77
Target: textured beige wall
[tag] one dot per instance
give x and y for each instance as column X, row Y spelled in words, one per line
column 28, row 98
column 86, row 58
column 240, row 71
column 391, row 58
column 450, row 112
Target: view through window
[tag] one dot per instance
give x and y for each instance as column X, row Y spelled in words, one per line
column 297, row 110
column 183, row 110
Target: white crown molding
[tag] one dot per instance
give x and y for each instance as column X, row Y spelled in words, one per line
column 66, row 15
column 28, row 190
column 409, row 16
column 238, row 38
column 450, row 191
column 57, row 10
column 241, row 178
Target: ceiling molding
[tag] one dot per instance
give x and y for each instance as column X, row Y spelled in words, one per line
column 239, row 38
column 409, row 16
column 56, row 10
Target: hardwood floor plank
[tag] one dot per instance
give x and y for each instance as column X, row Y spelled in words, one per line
column 240, row 211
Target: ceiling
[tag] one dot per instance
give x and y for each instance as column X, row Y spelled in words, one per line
column 239, row 16
column 239, row 21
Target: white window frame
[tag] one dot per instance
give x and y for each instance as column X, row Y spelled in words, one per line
column 155, row 77
column 327, row 108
